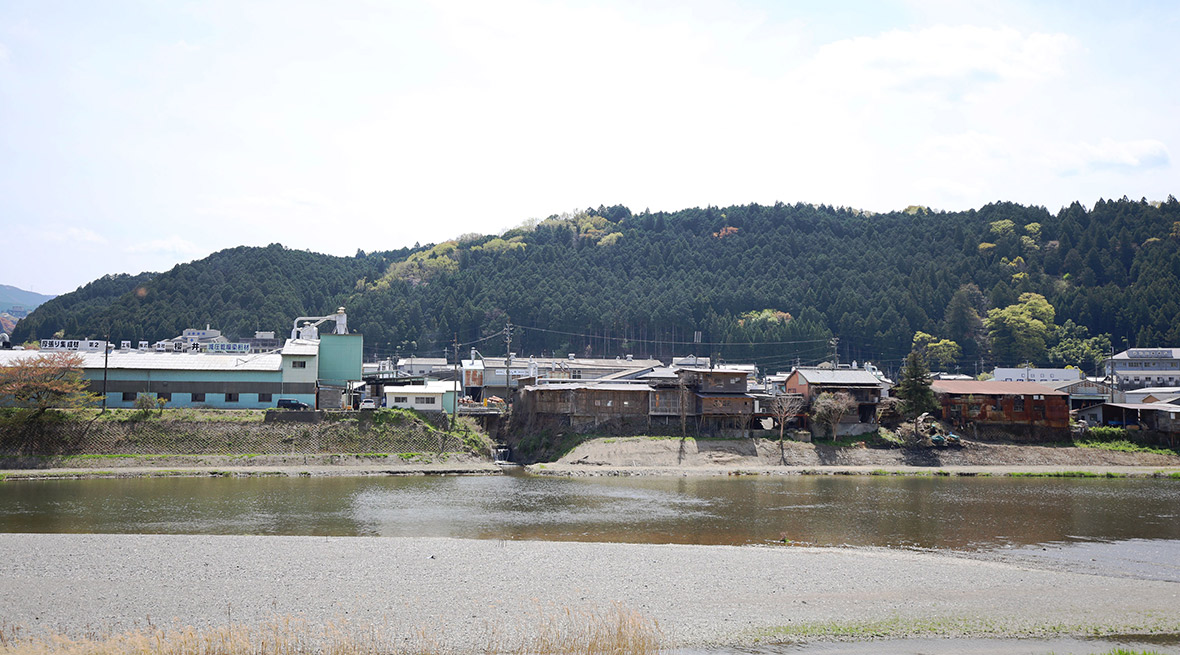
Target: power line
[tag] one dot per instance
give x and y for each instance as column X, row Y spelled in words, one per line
column 672, row 343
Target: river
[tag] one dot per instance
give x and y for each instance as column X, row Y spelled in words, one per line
column 1121, row 527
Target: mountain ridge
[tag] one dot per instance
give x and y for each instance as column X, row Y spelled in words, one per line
column 772, row 284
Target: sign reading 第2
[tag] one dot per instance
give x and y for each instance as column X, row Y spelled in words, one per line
column 71, row 344
column 229, row 348
column 1144, row 353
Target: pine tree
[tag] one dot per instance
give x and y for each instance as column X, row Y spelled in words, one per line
column 914, row 387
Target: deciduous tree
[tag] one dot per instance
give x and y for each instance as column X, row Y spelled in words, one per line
column 830, row 408
column 49, row 380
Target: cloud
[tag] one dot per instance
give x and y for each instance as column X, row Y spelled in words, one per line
column 173, row 245
column 1110, row 155
column 943, row 61
column 72, row 235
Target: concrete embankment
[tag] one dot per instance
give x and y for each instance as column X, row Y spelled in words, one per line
column 466, row 593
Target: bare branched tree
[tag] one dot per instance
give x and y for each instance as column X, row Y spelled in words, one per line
column 785, row 407
column 830, row 408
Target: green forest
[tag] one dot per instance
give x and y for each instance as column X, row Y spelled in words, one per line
column 774, row 285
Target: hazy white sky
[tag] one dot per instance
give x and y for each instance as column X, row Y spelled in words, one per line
column 136, row 135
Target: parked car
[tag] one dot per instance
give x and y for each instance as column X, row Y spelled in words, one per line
column 368, row 403
column 291, row 403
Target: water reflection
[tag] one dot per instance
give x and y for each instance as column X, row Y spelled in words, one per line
column 959, row 513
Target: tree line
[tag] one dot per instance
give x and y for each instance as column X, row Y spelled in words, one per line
column 774, row 284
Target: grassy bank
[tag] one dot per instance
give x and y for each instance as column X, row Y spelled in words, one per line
column 52, row 438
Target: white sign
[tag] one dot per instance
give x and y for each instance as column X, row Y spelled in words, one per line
column 229, row 348
column 72, row 344
column 516, row 372
column 1141, row 353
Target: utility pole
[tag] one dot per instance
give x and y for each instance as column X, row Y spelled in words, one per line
column 458, row 384
column 106, row 358
column 835, row 352
column 508, row 361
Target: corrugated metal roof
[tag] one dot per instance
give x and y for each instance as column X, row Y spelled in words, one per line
column 571, row 386
column 659, row 373
column 301, row 347
column 552, row 362
column 1153, row 391
column 730, row 371
column 1160, row 407
column 994, row 388
column 150, row 360
column 849, row 376
column 1175, row 353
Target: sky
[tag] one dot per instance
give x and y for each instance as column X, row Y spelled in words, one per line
column 138, row 135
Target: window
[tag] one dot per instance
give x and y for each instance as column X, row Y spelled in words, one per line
column 299, row 363
column 231, row 397
column 1018, row 404
column 198, row 397
column 166, row 397
column 424, row 400
column 264, row 397
column 400, row 399
column 129, row 396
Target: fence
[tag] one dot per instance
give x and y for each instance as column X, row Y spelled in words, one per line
column 218, row 438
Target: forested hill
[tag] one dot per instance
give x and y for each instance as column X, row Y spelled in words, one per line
column 239, row 291
column 770, row 284
column 11, row 296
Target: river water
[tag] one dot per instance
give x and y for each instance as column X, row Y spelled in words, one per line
column 956, row 513
column 1123, row 527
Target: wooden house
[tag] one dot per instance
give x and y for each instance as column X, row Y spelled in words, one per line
column 993, row 402
column 865, row 388
column 585, row 403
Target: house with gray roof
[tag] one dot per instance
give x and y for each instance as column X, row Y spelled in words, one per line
column 866, row 387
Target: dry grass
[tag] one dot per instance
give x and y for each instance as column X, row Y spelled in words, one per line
column 614, row 632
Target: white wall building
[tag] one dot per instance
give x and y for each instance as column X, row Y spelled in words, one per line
column 433, row 396
column 1145, row 367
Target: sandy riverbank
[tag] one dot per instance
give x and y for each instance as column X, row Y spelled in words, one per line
column 461, row 591
column 630, row 456
column 665, row 456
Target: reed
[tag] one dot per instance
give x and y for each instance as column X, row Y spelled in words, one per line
column 613, row 632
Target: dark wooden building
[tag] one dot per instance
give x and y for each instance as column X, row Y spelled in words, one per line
column 585, row 403
column 1029, row 404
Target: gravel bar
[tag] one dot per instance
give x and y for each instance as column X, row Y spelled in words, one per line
column 462, row 589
